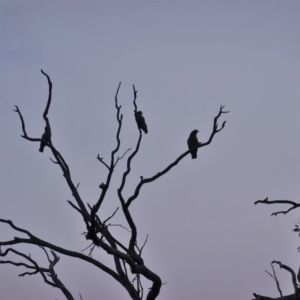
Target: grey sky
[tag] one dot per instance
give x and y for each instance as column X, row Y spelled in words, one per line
column 207, row 239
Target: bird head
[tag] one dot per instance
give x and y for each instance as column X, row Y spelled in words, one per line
column 138, row 113
column 194, row 132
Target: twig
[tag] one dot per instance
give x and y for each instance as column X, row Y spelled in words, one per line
column 111, row 216
column 144, row 244
column 276, row 280
column 134, row 98
column 119, row 225
column 119, row 158
column 55, row 162
column 22, row 120
column 103, row 162
column 74, row 206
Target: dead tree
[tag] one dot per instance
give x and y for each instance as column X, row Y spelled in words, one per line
column 129, row 266
column 295, row 279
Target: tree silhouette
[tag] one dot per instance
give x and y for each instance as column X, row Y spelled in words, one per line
column 295, row 279
column 129, row 267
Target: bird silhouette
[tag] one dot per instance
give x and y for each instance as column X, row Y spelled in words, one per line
column 140, row 120
column 192, row 142
column 45, row 138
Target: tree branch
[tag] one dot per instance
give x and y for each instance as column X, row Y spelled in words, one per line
column 266, row 201
column 58, row 157
column 103, row 162
column 173, row 164
column 260, row 297
column 294, row 280
column 276, row 280
column 111, row 167
column 56, row 282
column 33, row 240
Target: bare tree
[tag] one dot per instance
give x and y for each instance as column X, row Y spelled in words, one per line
column 129, row 267
column 295, row 279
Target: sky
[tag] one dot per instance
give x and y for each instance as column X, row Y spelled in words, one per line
column 207, row 239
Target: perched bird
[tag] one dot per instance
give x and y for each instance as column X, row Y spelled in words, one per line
column 193, row 141
column 45, row 138
column 140, row 120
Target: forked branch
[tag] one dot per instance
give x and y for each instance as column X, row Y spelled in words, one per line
column 37, row 269
column 58, row 157
column 112, row 161
column 33, row 240
column 291, row 271
column 173, row 164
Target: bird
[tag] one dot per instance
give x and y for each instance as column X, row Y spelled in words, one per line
column 140, row 120
column 192, row 142
column 45, row 138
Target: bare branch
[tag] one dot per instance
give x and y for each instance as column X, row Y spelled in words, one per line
column 43, row 248
column 112, row 163
column 111, row 216
column 276, row 280
column 173, row 164
column 294, row 281
column 140, row 289
column 140, row 250
column 132, row 290
column 119, row 225
column 101, row 160
column 125, row 174
column 55, row 162
column 74, row 206
column 120, row 189
column 25, row 136
column 119, row 158
column 266, row 201
column 33, row 240
column 58, row 157
column 49, row 98
column 91, row 246
column 56, row 282
column 22, row 120
column 260, row 297
column 124, row 207
column 12, row 225
column 134, row 98
column 34, row 265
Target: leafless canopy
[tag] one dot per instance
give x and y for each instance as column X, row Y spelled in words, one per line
column 130, row 268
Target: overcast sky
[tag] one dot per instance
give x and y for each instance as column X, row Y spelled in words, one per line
column 207, row 240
